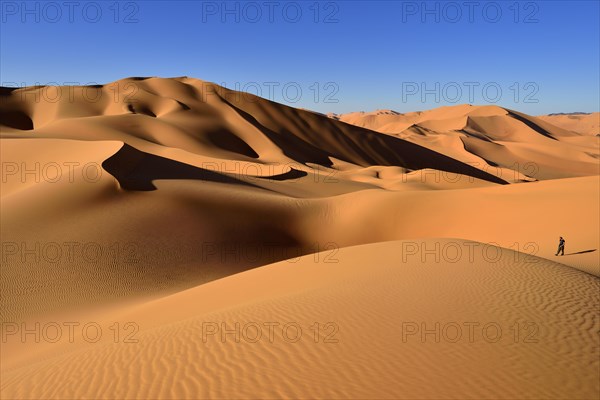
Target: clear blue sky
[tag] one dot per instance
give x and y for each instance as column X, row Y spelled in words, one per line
column 342, row 55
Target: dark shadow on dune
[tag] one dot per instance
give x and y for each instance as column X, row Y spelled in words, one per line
column 291, row 174
column 292, row 146
column 419, row 130
column 522, row 118
column 361, row 146
column 227, row 140
column 134, row 109
column 7, row 90
column 470, row 132
column 183, row 105
column 580, row 252
column 16, row 120
column 135, row 170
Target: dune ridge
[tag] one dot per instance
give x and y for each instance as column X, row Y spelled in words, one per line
column 494, row 139
column 174, row 202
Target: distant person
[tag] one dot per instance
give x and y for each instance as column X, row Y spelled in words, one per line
column 561, row 247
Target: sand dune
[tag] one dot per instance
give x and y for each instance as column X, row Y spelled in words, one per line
column 179, row 231
column 503, row 142
column 217, row 122
column 173, row 202
column 389, row 326
column 587, row 124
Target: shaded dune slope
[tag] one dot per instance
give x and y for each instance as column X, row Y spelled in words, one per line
column 522, row 147
column 207, row 119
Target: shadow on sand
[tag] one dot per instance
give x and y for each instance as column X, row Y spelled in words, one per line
column 580, row 252
column 135, row 170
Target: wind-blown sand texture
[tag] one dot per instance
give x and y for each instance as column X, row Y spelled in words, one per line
column 180, row 206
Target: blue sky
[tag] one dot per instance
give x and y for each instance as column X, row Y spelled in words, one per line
column 330, row 56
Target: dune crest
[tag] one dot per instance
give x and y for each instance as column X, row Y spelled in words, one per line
column 495, row 139
column 173, row 206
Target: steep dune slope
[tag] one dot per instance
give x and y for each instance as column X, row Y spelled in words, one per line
column 162, row 205
column 118, row 199
column 207, row 119
column 509, row 144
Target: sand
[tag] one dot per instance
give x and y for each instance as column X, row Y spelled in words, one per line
column 374, row 323
column 505, row 142
column 179, row 206
column 586, row 124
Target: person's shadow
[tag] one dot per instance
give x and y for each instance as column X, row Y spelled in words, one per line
column 580, row 252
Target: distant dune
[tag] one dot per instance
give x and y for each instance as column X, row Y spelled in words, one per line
column 493, row 138
column 587, row 124
column 178, row 205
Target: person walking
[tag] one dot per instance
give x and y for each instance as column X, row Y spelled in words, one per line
column 561, row 247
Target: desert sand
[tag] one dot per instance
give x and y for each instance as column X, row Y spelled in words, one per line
column 584, row 123
column 169, row 210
